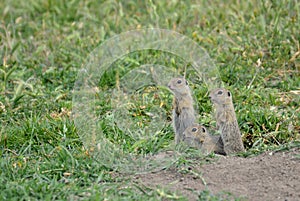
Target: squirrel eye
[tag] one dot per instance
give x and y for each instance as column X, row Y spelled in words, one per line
column 179, row 81
column 194, row 129
column 203, row 130
column 229, row 94
column 220, row 92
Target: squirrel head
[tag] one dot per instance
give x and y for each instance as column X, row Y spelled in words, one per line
column 220, row 96
column 196, row 132
column 179, row 86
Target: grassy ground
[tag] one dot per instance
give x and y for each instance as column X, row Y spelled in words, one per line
column 255, row 45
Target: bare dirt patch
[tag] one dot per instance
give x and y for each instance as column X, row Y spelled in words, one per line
column 268, row 176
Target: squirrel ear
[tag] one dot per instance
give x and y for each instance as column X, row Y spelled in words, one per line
column 228, row 94
column 203, row 130
column 186, row 82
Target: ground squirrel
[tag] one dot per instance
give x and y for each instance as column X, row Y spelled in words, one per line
column 226, row 121
column 197, row 136
column 183, row 110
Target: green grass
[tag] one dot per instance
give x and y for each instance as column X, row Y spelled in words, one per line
column 43, row 44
